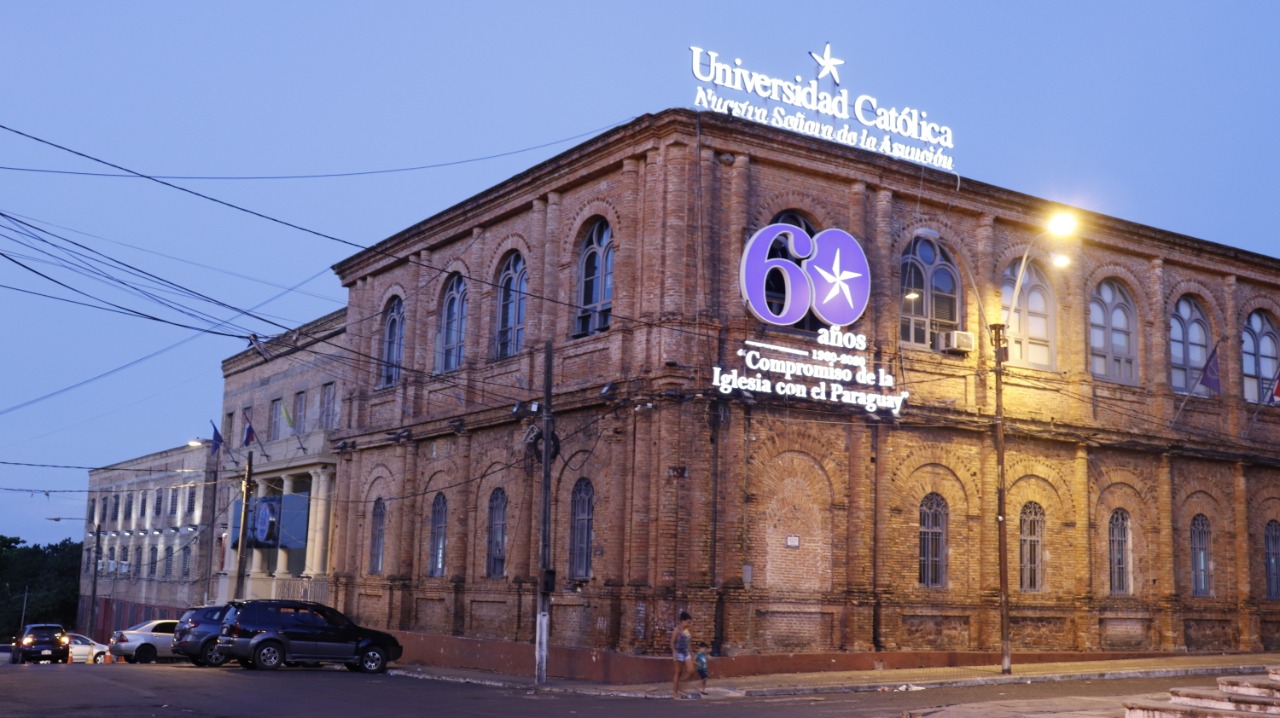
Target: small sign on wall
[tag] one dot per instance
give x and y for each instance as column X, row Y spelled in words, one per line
column 793, row 541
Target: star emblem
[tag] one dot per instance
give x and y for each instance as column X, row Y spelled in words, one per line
column 828, row 64
column 837, row 279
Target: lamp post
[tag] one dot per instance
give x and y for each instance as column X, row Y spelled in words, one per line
column 97, row 554
column 1060, row 225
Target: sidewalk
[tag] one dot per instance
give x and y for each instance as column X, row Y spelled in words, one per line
column 782, row 684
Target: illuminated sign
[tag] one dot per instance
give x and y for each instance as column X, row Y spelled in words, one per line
column 882, row 130
column 833, row 280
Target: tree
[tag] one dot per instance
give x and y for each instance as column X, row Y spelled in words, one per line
column 47, row 576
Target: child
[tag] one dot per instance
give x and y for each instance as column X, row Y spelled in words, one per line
column 700, row 662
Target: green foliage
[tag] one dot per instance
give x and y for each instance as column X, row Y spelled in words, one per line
column 48, row 575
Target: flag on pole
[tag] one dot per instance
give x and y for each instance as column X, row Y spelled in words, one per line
column 216, row 446
column 249, row 435
column 1209, row 375
column 288, row 418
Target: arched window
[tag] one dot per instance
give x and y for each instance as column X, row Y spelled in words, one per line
column 1188, row 347
column 584, row 499
column 1031, row 547
column 168, row 562
column 137, row 561
column 496, row 564
column 1112, row 352
column 128, row 506
column 595, row 281
column 453, row 325
column 1201, row 569
column 153, row 557
column 377, row 535
column 439, row 520
column 186, row 562
column 1258, row 349
column 93, row 508
column 392, row 342
column 1271, row 541
column 930, row 292
column 1118, row 554
column 775, row 286
column 1029, row 330
column 513, row 284
column 115, row 507
column 933, row 541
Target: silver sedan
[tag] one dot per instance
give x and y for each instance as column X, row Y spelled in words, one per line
column 145, row 642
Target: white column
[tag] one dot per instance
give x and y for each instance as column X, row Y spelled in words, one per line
column 282, row 554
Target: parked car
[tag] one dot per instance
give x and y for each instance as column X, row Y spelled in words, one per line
column 196, row 636
column 145, row 642
column 86, row 650
column 266, row 634
column 41, row 642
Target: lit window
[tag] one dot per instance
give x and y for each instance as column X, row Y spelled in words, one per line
column 933, row 541
column 595, row 281
column 453, row 325
column 930, row 293
column 1112, row 350
column 392, row 342
column 1259, row 342
column 513, row 283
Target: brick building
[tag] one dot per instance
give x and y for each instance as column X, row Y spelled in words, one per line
column 1143, row 508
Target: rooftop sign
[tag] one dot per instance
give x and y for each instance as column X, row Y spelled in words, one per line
column 808, row 108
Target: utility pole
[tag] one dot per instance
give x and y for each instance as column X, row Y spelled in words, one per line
column 1002, row 539
column 242, row 558
column 93, row 590
column 547, row 578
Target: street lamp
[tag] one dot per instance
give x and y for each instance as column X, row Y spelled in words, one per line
column 1061, row 224
column 97, row 556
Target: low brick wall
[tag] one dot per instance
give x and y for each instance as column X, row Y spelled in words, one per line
column 609, row 667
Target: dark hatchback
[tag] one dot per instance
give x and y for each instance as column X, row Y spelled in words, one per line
column 42, row 642
column 267, row 634
column 196, row 635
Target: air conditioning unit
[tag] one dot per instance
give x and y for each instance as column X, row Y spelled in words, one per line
column 956, row 342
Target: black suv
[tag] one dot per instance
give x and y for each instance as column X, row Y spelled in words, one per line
column 196, row 635
column 42, row 642
column 269, row 633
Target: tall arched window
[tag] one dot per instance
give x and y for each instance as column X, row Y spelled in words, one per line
column 1259, row 343
column 1031, row 547
column 439, row 520
column 392, row 342
column 1029, row 329
column 377, row 535
column 1118, row 553
column 168, row 562
column 513, row 284
column 453, row 325
column 186, row 562
column 1271, row 544
column 930, row 292
column 584, row 499
column 496, row 563
column 137, row 561
column 1188, row 346
column 595, row 281
column 1201, row 568
column 775, row 288
column 153, row 557
column 1112, row 352
column 933, row 541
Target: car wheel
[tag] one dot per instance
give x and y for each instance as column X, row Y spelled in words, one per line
column 373, row 660
column 130, row 659
column 245, row 663
column 146, row 653
column 211, row 656
column 268, row 656
column 99, row 658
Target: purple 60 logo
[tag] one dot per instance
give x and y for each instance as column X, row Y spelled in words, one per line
column 833, row 278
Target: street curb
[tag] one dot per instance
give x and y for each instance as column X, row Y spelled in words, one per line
column 728, row 692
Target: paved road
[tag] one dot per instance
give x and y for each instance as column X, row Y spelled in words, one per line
column 185, row 691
